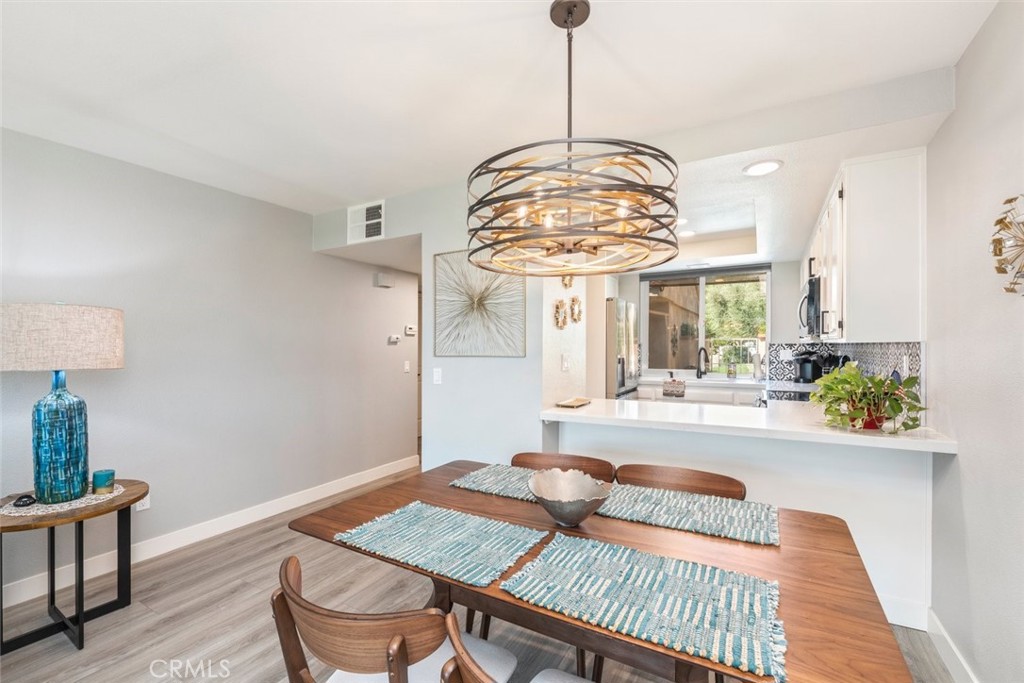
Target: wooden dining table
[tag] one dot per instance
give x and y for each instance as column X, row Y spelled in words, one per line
column 834, row 624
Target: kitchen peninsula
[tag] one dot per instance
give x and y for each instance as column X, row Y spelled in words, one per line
column 880, row 484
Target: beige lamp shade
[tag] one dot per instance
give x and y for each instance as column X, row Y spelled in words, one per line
column 61, row 337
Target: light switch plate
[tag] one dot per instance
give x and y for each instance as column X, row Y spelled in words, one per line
column 437, row 375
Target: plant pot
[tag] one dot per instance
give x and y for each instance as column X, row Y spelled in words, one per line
column 872, row 421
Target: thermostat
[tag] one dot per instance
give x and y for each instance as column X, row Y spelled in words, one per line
column 410, row 330
column 394, row 339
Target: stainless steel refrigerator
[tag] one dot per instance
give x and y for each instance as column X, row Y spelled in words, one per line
column 622, row 348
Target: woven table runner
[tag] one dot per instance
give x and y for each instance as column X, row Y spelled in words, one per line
column 739, row 520
column 89, row 498
column 500, row 480
column 723, row 616
column 460, row 546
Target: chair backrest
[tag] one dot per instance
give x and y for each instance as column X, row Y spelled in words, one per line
column 461, row 668
column 595, row 467
column 359, row 643
column 681, row 479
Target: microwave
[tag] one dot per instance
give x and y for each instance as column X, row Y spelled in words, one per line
column 808, row 311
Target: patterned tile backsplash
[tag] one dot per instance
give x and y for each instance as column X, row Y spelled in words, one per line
column 877, row 359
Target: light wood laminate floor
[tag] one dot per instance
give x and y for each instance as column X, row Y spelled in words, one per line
column 207, row 608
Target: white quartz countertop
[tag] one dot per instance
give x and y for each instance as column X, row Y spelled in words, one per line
column 785, row 420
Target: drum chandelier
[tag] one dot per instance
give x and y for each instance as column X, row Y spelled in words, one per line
column 573, row 206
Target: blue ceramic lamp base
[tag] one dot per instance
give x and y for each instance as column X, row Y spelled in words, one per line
column 60, row 445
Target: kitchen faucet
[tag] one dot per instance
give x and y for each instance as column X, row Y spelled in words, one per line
column 702, row 362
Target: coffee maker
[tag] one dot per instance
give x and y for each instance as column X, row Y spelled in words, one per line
column 806, row 367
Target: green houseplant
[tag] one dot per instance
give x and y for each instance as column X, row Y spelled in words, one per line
column 851, row 398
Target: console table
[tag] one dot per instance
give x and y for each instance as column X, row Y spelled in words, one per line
column 74, row 626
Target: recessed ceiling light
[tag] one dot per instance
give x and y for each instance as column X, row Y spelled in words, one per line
column 686, row 233
column 760, row 168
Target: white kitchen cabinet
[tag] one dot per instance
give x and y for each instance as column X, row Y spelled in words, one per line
column 868, row 249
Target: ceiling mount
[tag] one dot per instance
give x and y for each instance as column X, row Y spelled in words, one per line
column 562, row 10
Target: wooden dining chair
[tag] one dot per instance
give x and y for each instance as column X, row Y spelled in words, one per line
column 595, row 467
column 678, row 479
column 464, row 668
column 397, row 647
column 681, row 479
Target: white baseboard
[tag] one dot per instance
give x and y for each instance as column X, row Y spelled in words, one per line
column 904, row 612
column 35, row 586
column 959, row 670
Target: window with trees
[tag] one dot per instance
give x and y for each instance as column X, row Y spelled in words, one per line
column 723, row 311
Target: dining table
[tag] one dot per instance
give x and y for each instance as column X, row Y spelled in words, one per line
column 834, row 624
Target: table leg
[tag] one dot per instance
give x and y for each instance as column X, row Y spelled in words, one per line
column 442, row 596
column 74, row 626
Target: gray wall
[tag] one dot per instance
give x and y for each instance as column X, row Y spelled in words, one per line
column 785, row 296
column 974, row 349
column 254, row 368
column 485, row 409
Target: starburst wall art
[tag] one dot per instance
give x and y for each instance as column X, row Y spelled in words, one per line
column 477, row 312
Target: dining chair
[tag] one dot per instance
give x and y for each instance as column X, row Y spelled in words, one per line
column 396, row 647
column 681, row 479
column 464, row 667
column 678, row 479
column 596, row 468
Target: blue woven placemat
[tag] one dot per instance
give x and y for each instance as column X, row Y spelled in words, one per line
column 741, row 520
column 720, row 615
column 467, row 548
column 500, row 480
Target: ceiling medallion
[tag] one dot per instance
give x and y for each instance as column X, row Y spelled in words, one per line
column 1007, row 245
column 573, row 206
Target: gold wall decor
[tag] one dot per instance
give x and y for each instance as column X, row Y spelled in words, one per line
column 1007, row 244
column 567, row 281
column 576, row 309
column 561, row 314
column 477, row 312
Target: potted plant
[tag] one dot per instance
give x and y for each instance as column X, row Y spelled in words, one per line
column 853, row 399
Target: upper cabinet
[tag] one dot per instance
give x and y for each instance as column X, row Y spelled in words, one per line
column 867, row 250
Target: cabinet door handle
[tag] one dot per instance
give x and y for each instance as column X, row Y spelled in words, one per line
column 801, row 318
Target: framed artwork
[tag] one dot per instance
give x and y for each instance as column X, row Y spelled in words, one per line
column 477, row 312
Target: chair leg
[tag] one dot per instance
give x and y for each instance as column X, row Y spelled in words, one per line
column 485, row 625
column 719, row 677
column 598, row 668
column 581, row 662
column 470, row 615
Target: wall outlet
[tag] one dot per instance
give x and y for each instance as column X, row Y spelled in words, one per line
column 406, row 367
column 565, row 362
column 142, row 504
column 785, row 354
column 437, row 375
column 906, row 364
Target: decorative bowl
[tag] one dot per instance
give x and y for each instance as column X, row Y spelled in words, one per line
column 568, row 496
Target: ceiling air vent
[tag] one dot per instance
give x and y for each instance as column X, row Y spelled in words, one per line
column 366, row 222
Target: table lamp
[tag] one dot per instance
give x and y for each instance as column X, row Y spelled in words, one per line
column 59, row 337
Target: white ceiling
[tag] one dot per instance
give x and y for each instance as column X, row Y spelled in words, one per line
column 317, row 106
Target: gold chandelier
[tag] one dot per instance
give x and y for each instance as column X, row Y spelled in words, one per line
column 573, row 206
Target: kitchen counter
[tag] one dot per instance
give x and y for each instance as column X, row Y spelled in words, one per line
column 880, row 484
column 783, row 420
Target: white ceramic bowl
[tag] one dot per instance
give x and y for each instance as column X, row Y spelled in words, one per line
column 568, row 496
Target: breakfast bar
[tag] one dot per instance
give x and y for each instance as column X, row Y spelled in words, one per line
column 881, row 484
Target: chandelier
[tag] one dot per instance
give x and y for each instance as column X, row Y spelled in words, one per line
column 573, row 206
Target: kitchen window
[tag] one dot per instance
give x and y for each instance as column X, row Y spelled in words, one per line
column 724, row 311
